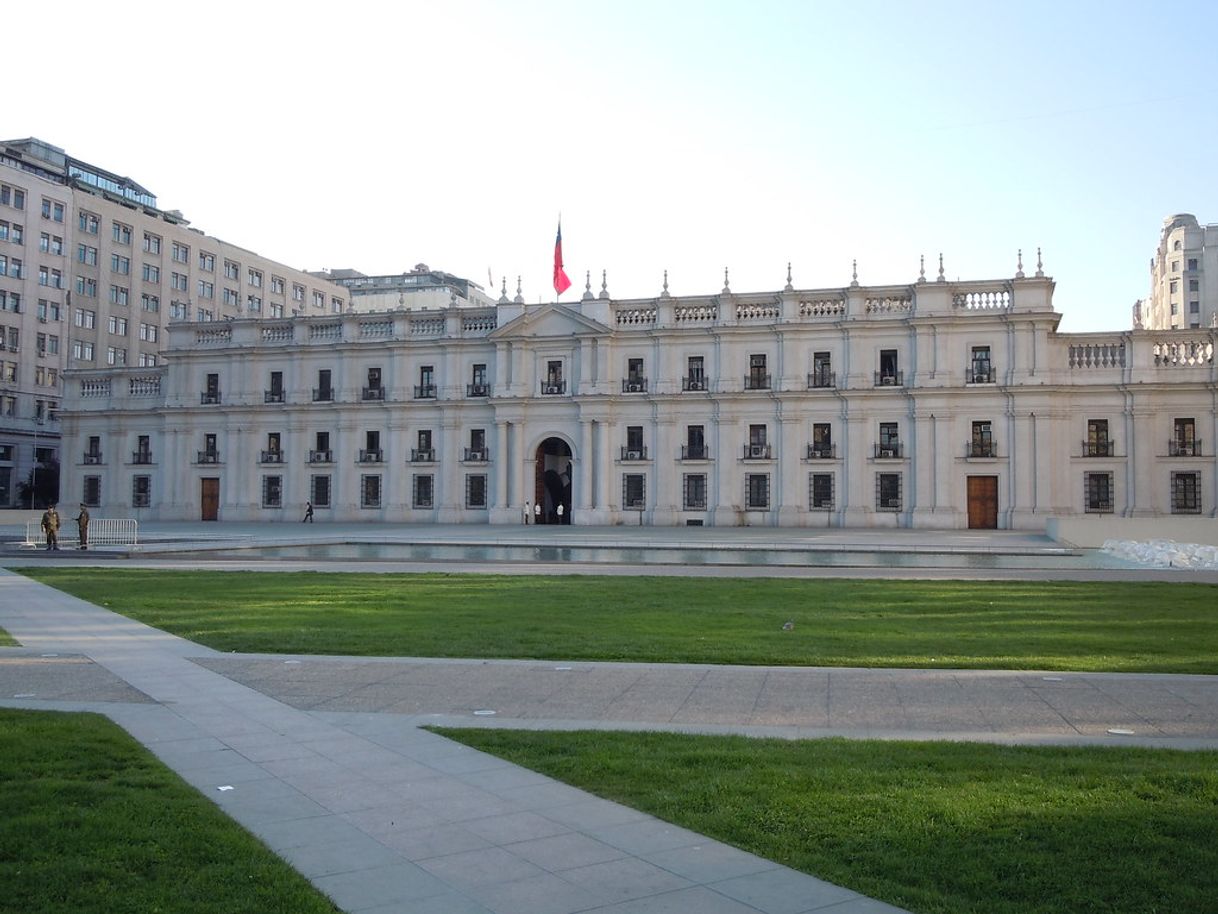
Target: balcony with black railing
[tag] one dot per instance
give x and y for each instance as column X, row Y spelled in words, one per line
column 1178, row 447
column 757, row 382
column 272, row 457
column 322, row 456
column 208, row 457
column 272, row 396
column 821, row 379
column 210, row 398
column 372, row 393
column 981, row 448
column 141, row 458
column 1099, row 449
column 553, row 387
column 92, row 458
column 758, row 452
column 822, row 451
column 425, row 391
column 422, row 455
column 890, row 379
column 634, row 453
column 478, row 390
column 979, row 373
column 695, row 452
column 693, row 383
column 323, row 394
column 371, row 455
column 634, row 385
column 889, row 450
column 476, row 455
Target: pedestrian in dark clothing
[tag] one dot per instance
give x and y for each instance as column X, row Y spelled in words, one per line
column 308, row 512
column 82, row 524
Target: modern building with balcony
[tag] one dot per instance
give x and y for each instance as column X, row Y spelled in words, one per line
column 933, row 404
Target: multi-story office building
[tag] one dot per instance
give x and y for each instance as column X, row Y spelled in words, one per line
column 418, row 289
column 92, row 272
column 933, row 404
column 1180, row 296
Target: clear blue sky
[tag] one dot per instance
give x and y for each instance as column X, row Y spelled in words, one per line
column 687, row 136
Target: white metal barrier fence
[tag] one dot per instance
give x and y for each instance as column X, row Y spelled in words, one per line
column 103, row 531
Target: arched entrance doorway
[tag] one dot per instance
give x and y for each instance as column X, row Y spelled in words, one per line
column 553, row 476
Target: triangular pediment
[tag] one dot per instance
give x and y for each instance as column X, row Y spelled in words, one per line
column 549, row 321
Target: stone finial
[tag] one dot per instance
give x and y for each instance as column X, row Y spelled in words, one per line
column 587, row 296
column 604, row 286
column 519, row 299
column 788, row 287
column 1040, row 267
column 664, row 291
column 921, row 268
column 854, row 274
column 727, row 288
column 941, row 277
column 1019, row 266
column 401, row 301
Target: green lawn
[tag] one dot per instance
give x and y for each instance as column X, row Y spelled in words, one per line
column 938, row 828
column 1143, row 627
column 7, row 640
column 91, row 823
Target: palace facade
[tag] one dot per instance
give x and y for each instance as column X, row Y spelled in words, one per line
column 934, row 404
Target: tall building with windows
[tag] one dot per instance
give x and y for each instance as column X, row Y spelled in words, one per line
column 1180, row 297
column 935, row 404
column 92, row 273
column 418, row 289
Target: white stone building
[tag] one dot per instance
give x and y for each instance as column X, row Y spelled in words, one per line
column 934, row 404
column 1180, row 295
column 92, row 271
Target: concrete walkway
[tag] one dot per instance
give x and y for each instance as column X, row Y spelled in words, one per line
column 327, row 765
column 380, row 815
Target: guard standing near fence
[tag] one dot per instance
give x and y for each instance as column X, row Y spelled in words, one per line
column 50, row 526
column 82, row 524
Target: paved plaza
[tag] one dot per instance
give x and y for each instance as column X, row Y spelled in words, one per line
column 328, row 765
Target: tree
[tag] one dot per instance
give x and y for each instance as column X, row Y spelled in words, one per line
column 46, row 477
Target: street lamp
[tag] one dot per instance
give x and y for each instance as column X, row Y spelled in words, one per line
column 34, row 471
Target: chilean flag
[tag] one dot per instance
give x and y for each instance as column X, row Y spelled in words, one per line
column 561, row 283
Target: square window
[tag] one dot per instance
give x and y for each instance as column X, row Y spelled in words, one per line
column 634, row 491
column 370, row 491
column 319, row 491
column 272, row 491
column 757, row 491
column 141, row 491
column 1097, row 493
column 888, row 491
column 820, row 491
column 475, row 491
column 695, row 492
column 423, row 492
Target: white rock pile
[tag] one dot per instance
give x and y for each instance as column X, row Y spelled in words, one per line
column 1163, row 553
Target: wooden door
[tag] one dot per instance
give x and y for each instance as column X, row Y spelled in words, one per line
column 983, row 502
column 210, row 498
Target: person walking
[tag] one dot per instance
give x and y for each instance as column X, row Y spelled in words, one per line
column 537, row 513
column 308, row 513
column 82, row 524
column 528, row 514
column 50, row 526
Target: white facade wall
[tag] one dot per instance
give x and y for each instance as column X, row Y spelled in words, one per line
column 903, row 452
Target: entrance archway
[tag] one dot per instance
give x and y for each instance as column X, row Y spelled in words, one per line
column 553, row 477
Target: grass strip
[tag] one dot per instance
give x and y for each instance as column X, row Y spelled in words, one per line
column 937, row 828
column 91, row 823
column 7, row 640
column 1140, row 627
